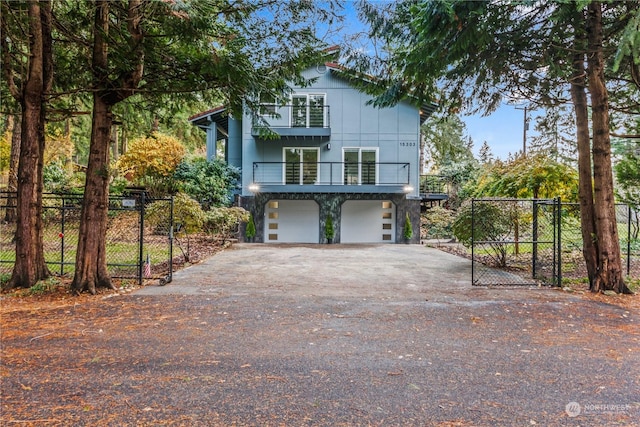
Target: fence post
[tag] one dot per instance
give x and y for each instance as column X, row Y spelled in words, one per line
column 473, row 259
column 62, row 230
column 554, row 244
column 171, row 243
column 559, row 250
column 628, row 239
column 534, row 251
column 141, row 238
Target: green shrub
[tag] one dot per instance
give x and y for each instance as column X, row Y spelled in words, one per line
column 329, row 231
column 117, row 185
column 438, row 223
column 407, row 232
column 4, row 279
column 224, row 222
column 250, row 231
column 186, row 212
column 212, row 183
column 44, row 286
column 488, row 222
column 57, row 179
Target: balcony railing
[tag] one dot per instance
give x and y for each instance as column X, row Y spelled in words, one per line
column 434, row 186
column 293, row 120
column 331, row 173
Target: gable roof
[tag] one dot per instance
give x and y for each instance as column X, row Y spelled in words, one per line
column 215, row 110
column 219, row 115
column 426, row 109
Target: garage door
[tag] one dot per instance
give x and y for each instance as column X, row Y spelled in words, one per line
column 292, row 221
column 368, row 221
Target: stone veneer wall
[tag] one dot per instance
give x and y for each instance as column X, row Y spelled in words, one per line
column 331, row 204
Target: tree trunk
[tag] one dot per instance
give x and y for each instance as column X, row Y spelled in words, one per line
column 29, row 265
column 11, row 213
column 91, row 261
column 47, row 84
column 609, row 275
column 585, row 187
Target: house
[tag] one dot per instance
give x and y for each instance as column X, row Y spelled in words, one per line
column 333, row 155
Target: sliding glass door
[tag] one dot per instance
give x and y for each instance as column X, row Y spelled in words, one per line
column 360, row 166
column 301, row 165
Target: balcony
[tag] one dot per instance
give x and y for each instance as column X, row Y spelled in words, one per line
column 348, row 177
column 434, row 187
column 292, row 121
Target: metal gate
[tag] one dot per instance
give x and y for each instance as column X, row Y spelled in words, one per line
column 516, row 242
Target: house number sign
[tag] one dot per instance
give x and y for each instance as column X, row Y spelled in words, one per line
column 408, row 144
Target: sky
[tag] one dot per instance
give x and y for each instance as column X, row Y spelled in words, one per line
column 503, row 129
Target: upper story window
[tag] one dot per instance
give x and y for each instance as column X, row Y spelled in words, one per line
column 308, row 110
column 268, row 104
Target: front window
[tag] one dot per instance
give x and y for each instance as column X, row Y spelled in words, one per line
column 301, row 165
column 308, row 110
column 268, row 104
column 368, row 166
column 316, row 111
column 360, row 166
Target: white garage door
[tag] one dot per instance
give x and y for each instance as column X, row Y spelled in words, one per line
column 368, row 221
column 292, row 221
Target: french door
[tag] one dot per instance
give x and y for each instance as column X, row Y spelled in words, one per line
column 360, row 166
column 301, row 165
column 308, row 110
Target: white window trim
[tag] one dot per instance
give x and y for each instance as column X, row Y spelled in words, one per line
column 275, row 105
column 284, row 164
column 308, row 109
column 360, row 149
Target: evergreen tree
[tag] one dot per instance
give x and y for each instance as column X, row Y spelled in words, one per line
column 476, row 54
column 486, row 156
column 157, row 49
column 27, row 60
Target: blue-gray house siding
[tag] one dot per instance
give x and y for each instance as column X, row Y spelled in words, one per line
column 334, row 155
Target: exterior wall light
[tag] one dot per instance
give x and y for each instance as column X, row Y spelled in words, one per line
column 408, row 189
column 328, row 146
column 254, row 188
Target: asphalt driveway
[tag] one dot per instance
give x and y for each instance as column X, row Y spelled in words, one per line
column 400, row 336
column 379, row 272
column 382, row 335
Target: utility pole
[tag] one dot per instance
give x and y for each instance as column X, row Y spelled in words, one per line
column 524, row 130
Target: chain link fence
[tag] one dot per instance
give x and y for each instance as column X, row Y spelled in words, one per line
column 628, row 221
column 535, row 241
column 135, row 250
column 514, row 241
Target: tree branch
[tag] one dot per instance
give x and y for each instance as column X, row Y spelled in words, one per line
column 625, row 135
